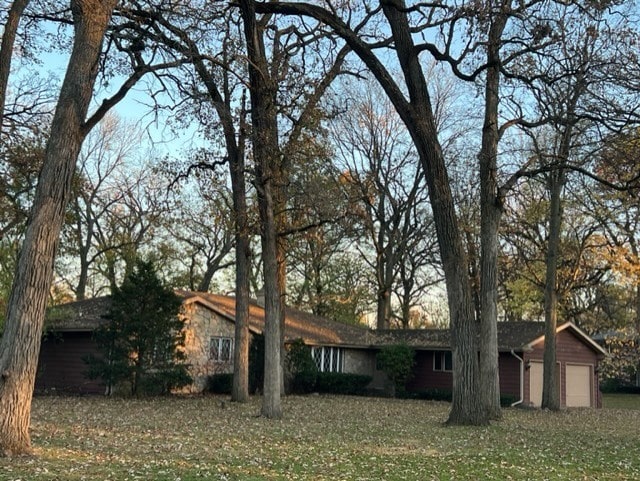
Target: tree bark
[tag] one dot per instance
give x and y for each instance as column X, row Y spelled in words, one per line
column 466, row 407
column 6, row 50
column 20, row 343
column 550, row 392
column 490, row 214
column 240, row 388
column 265, row 148
column 550, row 386
column 417, row 114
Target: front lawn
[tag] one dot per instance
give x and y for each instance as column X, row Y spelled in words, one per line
column 621, row 401
column 321, row 438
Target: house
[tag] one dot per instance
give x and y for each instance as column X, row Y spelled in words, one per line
column 521, row 350
column 209, row 337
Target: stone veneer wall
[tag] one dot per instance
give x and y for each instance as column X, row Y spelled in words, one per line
column 200, row 326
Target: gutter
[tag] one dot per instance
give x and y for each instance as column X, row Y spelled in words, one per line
column 521, row 400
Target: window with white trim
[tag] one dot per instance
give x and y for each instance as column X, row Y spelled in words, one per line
column 443, row 361
column 328, row 359
column 221, row 349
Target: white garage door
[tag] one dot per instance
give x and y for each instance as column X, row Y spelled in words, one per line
column 535, row 383
column 578, row 386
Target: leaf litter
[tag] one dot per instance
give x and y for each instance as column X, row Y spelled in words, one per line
column 320, row 438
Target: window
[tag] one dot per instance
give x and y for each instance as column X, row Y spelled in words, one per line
column 221, row 349
column 442, row 361
column 328, row 359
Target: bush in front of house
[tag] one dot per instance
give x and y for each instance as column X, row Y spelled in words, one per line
column 220, row 383
column 506, row 400
column 301, row 368
column 619, row 386
column 397, row 363
column 342, row 383
column 164, row 381
column 430, row 395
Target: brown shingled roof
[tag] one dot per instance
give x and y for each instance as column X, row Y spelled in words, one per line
column 85, row 315
column 314, row 330
column 88, row 314
column 511, row 335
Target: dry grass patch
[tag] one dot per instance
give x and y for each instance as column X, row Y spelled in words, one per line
column 321, row 438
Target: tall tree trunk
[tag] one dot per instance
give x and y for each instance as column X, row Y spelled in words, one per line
column 240, row 388
column 466, row 407
column 20, row 343
column 265, row 148
column 383, row 315
column 6, row 50
column 550, row 385
column 281, row 251
column 83, row 279
column 490, row 214
column 236, row 152
column 417, row 115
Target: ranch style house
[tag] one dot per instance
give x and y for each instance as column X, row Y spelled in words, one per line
column 337, row 347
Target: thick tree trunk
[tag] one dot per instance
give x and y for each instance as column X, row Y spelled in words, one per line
column 384, row 309
column 20, row 343
column 466, row 407
column 281, row 250
column 550, row 385
column 240, row 388
column 83, row 279
column 417, row 114
column 490, row 214
column 265, row 148
column 6, row 50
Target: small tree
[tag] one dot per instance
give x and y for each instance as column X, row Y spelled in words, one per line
column 301, row 368
column 397, row 363
column 143, row 341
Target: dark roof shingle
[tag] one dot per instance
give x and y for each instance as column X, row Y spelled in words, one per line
column 314, row 330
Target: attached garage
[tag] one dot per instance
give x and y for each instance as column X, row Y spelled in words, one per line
column 521, row 352
column 577, row 356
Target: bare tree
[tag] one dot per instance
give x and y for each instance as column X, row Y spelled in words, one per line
column 98, row 191
column 6, row 49
column 377, row 156
column 201, row 225
column 417, row 113
column 25, row 314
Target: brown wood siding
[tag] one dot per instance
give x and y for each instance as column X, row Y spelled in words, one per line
column 509, row 374
column 426, row 378
column 61, row 367
column 569, row 350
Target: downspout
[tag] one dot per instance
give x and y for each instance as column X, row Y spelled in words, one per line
column 519, row 401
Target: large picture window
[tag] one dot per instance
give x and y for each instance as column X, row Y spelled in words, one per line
column 443, row 361
column 328, row 359
column 221, row 349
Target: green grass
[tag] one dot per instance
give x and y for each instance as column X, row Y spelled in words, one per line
column 320, row 438
column 621, row 401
